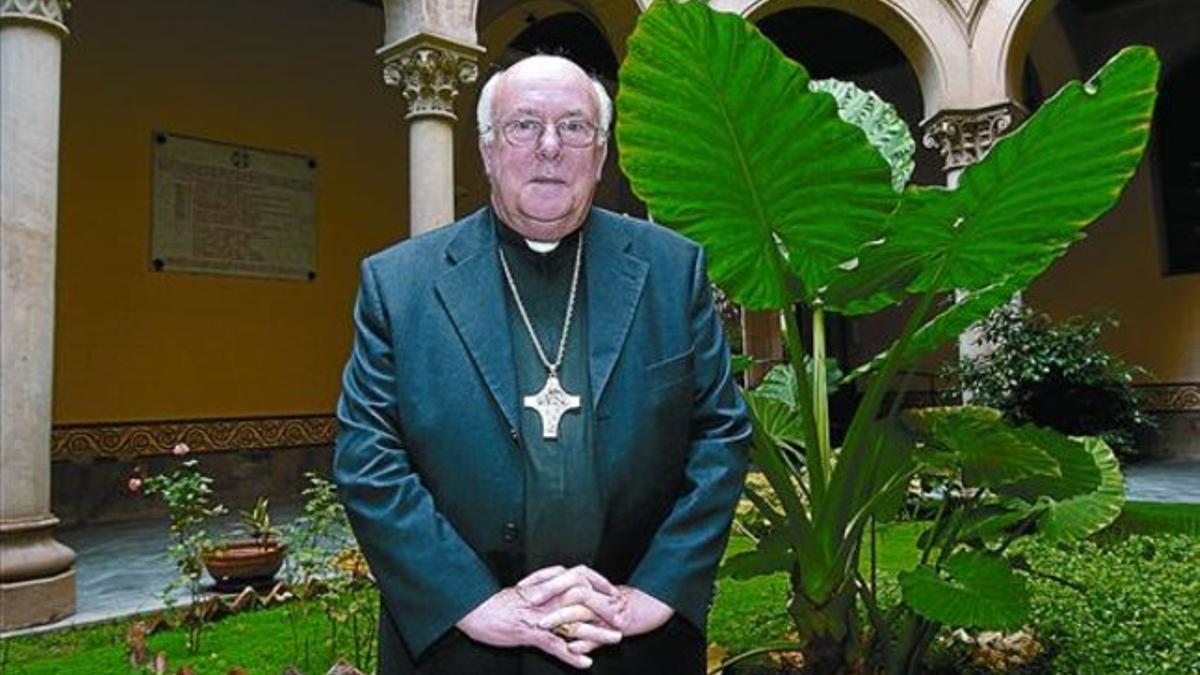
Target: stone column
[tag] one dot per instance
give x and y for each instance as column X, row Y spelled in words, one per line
column 37, row 578
column 429, row 70
column 963, row 137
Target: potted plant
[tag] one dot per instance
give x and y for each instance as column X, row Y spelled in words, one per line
column 253, row 561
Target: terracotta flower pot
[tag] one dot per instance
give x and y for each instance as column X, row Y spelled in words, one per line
column 244, row 563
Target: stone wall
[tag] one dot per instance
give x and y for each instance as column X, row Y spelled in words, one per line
column 90, row 491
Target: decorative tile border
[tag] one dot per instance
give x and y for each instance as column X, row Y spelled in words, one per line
column 1176, row 397
column 129, row 440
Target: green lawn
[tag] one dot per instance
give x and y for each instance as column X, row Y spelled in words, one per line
column 258, row 641
column 1158, row 517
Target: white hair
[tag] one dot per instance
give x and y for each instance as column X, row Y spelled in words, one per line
column 487, row 125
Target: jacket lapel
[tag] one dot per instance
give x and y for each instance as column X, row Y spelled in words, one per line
column 472, row 295
column 615, row 280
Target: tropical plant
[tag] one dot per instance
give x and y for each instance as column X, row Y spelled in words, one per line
column 1002, row 483
column 187, row 494
column 1053, row 374
column 256, row 523
column 792, row 186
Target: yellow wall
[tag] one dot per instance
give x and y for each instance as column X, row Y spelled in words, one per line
column 289, row 75
column 1118, row 266
column 301, row 76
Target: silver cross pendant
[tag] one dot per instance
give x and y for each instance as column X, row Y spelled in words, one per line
column 551, row 403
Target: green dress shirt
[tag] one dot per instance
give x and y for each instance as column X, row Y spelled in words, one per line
column 563, row 517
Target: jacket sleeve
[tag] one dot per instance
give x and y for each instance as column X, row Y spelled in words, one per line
column 427, row 574
column 680, row 566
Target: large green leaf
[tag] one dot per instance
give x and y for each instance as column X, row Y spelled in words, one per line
column 974, row 590
column 872, row 476
column 958, row 316
column 722, row 138
column 1086, row 498
column 878, row 119
column 776, row 419
column 1018, row 209
column 997, row 521
column 989, row 451
column 751, row 564
column 780, row 382
column 772, row 554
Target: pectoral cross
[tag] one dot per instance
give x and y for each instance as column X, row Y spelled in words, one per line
column 551, row 403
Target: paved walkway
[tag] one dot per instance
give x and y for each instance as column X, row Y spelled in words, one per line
column 1163, row 482
column 122, row 567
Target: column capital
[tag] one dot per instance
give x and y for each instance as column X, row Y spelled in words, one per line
column 963, row 137
column 429, row 69
column 49, row 14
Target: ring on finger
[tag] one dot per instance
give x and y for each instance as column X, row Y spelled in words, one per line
column 566, row 630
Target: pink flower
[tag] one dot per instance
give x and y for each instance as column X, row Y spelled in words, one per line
column 134, row 485
column 180, row 449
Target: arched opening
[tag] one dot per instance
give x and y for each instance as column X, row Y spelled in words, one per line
column 1177, row 147
column 572, row 35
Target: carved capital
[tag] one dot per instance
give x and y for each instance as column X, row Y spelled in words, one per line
column 963, row 137
column 429, row 76
column 48, row 13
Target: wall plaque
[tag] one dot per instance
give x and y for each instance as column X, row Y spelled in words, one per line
column 229, row 209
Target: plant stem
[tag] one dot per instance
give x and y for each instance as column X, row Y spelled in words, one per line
column 937, row 523
column 874, row 560
column 820, row 393
column 804, row 398
column 867, row 409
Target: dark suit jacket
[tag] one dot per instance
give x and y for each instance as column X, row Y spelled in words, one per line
column 427, row 460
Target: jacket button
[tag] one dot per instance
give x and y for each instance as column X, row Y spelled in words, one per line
column 511, row 532
column 515, row 435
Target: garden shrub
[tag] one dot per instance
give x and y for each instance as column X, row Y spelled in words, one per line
column 1138, row 610
column 1054, row 375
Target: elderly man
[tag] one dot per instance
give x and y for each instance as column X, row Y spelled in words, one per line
column 541, row 443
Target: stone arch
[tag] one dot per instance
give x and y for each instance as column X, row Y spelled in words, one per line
column 892, row 17
column 501, row 23
column 1027, row 18
column 1051, row 54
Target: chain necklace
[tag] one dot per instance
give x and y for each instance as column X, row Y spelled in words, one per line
column 552, row 401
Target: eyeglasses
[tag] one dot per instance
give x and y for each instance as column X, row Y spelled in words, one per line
column 528, row 130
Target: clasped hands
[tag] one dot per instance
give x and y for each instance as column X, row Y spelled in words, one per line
column 567, row 613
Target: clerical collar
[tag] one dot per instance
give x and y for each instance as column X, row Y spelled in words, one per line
column 536, row 250
column 541, row 246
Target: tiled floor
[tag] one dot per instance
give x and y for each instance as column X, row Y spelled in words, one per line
column 123, row 566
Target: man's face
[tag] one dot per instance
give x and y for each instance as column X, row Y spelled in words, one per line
column 543, row 187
